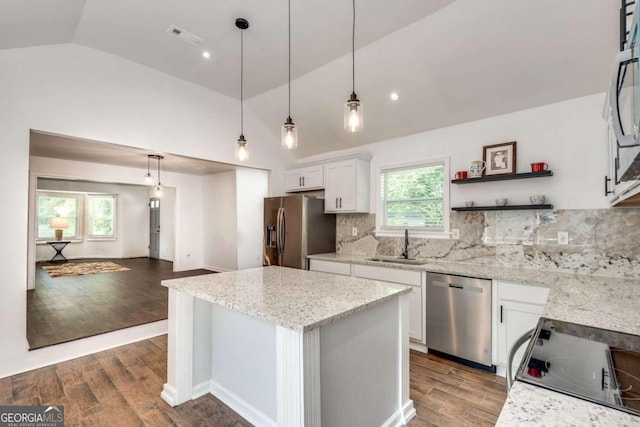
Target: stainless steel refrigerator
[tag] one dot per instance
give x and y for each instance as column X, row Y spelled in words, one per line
column 294, row 227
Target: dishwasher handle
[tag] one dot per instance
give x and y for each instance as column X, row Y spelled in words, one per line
column 468, row 288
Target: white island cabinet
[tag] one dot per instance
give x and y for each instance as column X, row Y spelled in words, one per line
column 287, row 347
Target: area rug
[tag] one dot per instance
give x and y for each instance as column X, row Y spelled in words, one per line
column 71, row 269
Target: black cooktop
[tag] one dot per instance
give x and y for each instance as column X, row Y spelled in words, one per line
column 594, row 364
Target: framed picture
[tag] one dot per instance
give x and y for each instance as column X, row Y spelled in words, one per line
column 500, row 159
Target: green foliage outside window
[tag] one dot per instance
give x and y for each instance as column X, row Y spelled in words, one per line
column 101, row 215
column 414, row 197
column 52, row 206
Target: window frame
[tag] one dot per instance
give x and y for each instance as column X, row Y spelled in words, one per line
column 88, row 217
column 79, row 213
column 417, row 232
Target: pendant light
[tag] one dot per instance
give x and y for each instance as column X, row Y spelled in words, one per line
column 353, row 114
column 242, row 149
column 148, row 178
column 289, row 130
column 158, row 189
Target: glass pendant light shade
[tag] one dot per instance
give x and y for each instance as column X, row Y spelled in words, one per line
column 353, row 114
column 289, row 134
column 148, row 179
column 158, row 190
column 242, row 149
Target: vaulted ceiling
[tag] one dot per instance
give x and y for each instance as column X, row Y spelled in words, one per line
column 449, row 61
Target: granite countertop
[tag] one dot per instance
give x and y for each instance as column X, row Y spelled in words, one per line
column 598, row 301
column 528, row 405
column 295, row 299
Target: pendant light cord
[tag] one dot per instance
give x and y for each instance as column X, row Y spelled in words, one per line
column 289, row 58
column 353, row 47
column 241, row 82
column 159, row 182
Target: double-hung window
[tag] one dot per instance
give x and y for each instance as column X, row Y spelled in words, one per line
column 414, row 197
column 101, row 210
column 86, row 216
column 59, row 204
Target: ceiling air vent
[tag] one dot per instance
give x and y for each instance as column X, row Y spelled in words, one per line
column 185, row 35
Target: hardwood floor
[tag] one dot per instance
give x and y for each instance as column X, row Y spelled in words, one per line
column 121, row 387
column 446, row 393
column 68, row 308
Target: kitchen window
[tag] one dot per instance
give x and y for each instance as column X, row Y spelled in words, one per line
column 414, row 197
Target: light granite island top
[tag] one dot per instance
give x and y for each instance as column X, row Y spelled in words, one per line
column 597, row 301
column 288, row 347
column 295, row 299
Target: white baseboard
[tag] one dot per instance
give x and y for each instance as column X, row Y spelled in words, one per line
column 402, row 416
column 418, row 347
column 243, row 408
column 169, row 394
column 216, row 269
column 201, row 389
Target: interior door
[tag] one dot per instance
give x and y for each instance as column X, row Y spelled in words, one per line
column 154, row 228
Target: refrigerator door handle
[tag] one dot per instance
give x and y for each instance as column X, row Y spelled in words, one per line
column 280, row 234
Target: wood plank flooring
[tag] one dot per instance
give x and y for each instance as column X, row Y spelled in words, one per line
column 121, row 387
column 63, row 309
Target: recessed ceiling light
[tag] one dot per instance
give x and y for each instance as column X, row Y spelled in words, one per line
column 206, row 55
column 394, row 96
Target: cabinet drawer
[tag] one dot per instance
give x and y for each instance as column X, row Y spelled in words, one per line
column 395, row 275
column 532, row 294
column 330, row 267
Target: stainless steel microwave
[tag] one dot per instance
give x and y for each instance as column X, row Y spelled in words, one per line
column 624, row 100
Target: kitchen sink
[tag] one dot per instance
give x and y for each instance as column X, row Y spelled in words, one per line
column 410, row 261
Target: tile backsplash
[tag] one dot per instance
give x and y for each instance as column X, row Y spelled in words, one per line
column 603, row 242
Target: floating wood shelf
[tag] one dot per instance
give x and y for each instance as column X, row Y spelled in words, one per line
column 502, row 208
column 503, row 177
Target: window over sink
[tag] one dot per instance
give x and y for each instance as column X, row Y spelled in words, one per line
column 414, row 196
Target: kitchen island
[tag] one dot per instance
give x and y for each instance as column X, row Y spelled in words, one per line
column 290, row 347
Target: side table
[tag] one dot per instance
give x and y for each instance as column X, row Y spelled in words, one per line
column 58, row 245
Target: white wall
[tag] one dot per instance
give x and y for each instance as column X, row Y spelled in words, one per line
column 220, row 221
column 80, row 92
column 570, row 136
column 167, row 223
column 131, row 221
column 251, row 189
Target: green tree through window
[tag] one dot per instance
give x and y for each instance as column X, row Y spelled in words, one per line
column 414, row 197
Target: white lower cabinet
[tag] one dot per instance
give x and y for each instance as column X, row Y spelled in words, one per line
column 415, row 279
column 519, row 309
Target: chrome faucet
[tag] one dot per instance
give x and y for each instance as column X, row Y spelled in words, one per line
column 405, row 253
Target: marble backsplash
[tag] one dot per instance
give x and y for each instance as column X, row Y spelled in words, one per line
column 603, row 242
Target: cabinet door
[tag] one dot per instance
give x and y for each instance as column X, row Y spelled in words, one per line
column 416, row 319
column 313, row 177
column 347, row 196
column 514, row 319
column 332, row 188
column 293, row 180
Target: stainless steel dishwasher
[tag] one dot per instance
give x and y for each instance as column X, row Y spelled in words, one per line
column 458, row 317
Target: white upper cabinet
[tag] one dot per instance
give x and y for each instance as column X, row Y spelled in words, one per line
column 304, row 178
column 347, row 186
